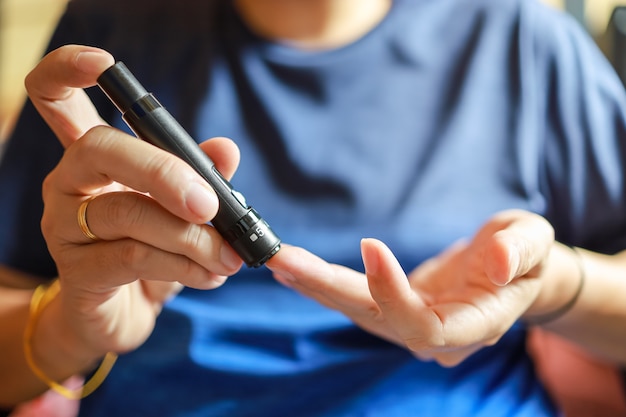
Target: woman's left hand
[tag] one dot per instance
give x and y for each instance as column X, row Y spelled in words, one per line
column 447, row 308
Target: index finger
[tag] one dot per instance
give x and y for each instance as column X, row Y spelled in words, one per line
column 55, row 86
column 106, row 155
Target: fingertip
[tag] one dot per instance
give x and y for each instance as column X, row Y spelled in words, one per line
column 370, row 255
column 386, row 279
column 286, row 259
column 379, row 261
column 502, row 261
column 201, row 201
column 68, row 66
column 93, row 60
column 294, row 264
column 225, row 153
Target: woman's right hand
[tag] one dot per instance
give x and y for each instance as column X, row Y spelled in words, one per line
column 149, row 212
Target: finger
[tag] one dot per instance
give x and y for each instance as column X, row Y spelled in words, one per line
column 452, row 358
column 111, row 264
column 225, row 153
column 122, row 215
column 56, row 84
column 105, row 155
column 387, row 281
column 518, row 248
column 402, row 307
column 334, row 286
column 159, row 292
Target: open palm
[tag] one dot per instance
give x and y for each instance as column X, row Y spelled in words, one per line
column 447, row 308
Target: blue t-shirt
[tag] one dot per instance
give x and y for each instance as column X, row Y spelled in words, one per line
column 442, row 115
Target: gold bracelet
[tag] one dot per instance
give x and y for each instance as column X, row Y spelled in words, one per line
column 553, row 315
column 42, row 296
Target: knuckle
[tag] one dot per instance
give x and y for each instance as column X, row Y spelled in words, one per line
column 162, row 167
column 49, row 223
column 118, row 212
column 47, row 184
column 96, row 137
column 427, row 341
column 431, row 335
column 374, row 313
column 93, row 142
column 111, row 213
column 30, row 81
column 132, row 254
column 448, row 361
column 99, row 133
column 196, row 237
column 188, row 268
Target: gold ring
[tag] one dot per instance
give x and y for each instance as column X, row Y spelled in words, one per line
column 82, row 219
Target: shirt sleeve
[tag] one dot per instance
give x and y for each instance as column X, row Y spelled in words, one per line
column 582, row 105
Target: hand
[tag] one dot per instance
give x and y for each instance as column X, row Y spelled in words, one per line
column 447, row 308
column 149, row 213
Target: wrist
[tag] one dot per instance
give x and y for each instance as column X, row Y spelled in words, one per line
column 42, row 297
column 563, row 281
column 56, row 349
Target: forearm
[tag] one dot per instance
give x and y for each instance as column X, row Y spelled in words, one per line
column 597, row 320
column 16, row 380
column 51, row 350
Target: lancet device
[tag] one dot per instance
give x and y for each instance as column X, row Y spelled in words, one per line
column 240, row 225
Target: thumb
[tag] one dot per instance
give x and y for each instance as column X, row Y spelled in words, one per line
column 509, row 256
column 518, row 246
column 55, row 86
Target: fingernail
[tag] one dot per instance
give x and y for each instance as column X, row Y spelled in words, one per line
column 201, row 200
column 229, row 257
column 370, row 257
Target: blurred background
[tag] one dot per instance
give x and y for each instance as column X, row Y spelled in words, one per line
column 25, row 26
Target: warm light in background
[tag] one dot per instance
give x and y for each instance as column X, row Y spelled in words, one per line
column 25, row 26
column 555, row 3
column 599, row 11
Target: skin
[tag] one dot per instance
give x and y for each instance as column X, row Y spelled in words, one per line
column 444, row 310
column 131, row 271
column 313, row 24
